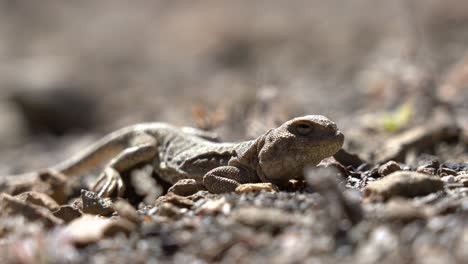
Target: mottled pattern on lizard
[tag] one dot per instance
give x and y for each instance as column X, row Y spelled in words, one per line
column 179, row 153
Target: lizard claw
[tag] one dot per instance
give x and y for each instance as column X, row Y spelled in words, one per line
column 109, row 182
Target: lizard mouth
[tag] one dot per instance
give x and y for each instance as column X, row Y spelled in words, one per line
column 328, row 145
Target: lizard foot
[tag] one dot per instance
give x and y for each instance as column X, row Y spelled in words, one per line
column 256, row 187
column 109, row 182
column 217, row 184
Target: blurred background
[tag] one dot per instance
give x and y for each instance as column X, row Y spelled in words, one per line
column 71, row 71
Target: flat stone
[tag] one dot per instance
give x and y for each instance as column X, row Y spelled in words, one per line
column 10, row 205
column 256, row 187
column 67, row 213
column 177, row 200
column 403, row 183
column 90, row 229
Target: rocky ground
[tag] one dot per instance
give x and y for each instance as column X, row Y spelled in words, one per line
column 396, row 193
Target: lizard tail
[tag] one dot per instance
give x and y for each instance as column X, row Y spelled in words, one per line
column 102, row 150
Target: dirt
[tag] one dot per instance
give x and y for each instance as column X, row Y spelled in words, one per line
column 392, row 75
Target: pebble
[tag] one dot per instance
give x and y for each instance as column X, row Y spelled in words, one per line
column 388, row 168
column 448, row 179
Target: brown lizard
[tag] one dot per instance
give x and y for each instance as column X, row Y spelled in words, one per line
column 176, row 154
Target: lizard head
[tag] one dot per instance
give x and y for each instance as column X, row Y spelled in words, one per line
column 297, row 143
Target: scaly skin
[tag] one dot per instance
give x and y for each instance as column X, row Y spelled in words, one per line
column 183, row 153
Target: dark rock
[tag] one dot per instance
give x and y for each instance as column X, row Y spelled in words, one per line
column 93, row 204
column 67, row 213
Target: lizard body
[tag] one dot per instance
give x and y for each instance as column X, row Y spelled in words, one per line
column 177, row 153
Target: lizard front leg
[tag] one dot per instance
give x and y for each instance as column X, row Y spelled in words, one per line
column 110, row 180
column 228, row 178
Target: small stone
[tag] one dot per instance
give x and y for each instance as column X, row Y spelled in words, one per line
column 177, row 200
column 90, row 229
column 67, row 213
column 213, row 207
column 257, row 187
column 448, row 179
column 93, row 204
column 404, row 184
column 184, row 187
column 388, row 168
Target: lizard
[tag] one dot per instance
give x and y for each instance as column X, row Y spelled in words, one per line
column 277, row 156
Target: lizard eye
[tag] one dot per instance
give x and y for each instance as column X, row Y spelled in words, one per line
column 303, row 129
